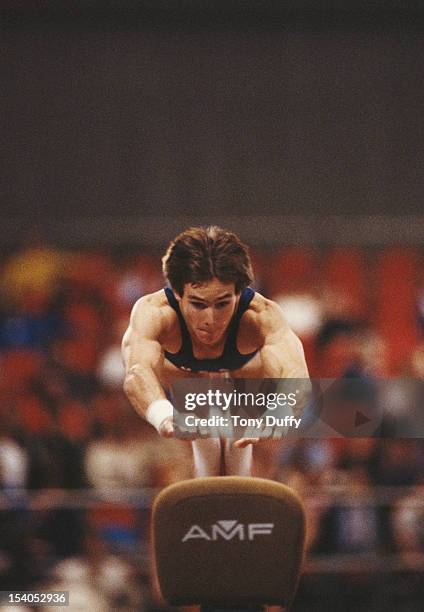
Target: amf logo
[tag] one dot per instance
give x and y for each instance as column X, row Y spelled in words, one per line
column 228, row 530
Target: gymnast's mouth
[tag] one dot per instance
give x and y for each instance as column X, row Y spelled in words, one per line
column 206, row 332
column 207, row 335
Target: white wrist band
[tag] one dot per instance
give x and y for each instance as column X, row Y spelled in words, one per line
column 158, row 411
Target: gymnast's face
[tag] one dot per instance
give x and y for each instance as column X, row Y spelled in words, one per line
column 207, row 309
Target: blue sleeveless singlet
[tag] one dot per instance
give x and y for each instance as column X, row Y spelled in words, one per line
column 230, row 359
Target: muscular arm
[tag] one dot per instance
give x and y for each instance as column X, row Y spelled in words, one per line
column 143, row 357
column 282, row 353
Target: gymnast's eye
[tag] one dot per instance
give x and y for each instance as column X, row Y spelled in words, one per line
column 222, row 304
column 198, row 305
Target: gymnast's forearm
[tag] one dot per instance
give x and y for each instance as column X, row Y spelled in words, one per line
column 142, row 387
column 146, row 394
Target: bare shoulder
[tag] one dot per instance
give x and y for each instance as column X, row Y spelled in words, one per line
column 152, row 315
column 282, row 352
column 265, row 316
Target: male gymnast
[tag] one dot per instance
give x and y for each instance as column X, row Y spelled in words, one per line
column 209, row 322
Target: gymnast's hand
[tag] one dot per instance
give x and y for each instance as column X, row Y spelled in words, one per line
column 243, row 442
column 166, row 428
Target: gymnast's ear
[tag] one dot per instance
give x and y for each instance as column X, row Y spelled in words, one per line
column 228, row 541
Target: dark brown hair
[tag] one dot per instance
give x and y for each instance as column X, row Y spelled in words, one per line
column 202, row 253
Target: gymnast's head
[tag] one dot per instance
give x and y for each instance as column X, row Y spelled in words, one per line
column 207, row 268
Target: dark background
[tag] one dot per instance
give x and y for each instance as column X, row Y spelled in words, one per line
column 124, row 120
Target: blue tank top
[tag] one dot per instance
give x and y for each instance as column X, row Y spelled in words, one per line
column 230, row 359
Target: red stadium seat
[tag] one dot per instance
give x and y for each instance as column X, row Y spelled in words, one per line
column 289, row 271
column 396, row 303
column 20, row 366
column 75, row 421
column 32, row 416
column 343, row 270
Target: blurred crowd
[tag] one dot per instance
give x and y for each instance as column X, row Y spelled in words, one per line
column 65, row 423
